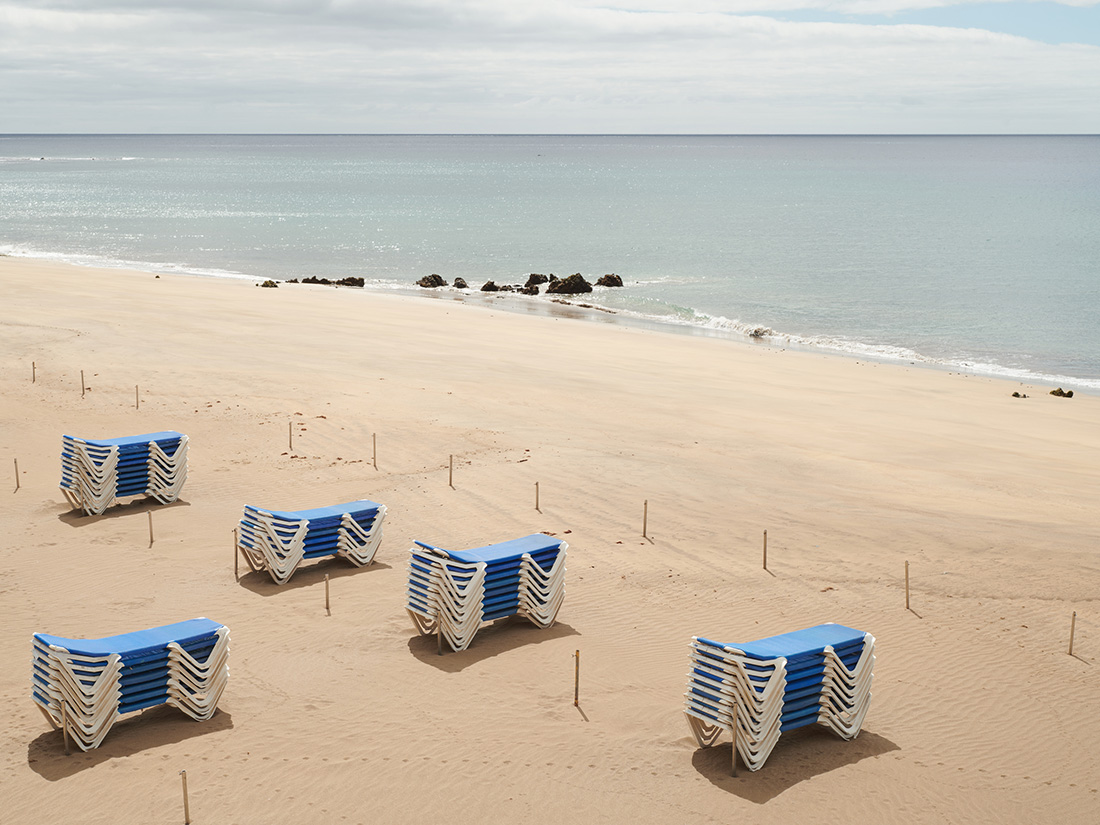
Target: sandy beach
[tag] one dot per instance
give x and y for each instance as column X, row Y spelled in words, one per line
column 979, row 713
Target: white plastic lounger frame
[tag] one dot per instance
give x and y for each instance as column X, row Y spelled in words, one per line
column 271, row 542
column 85, row 694
column 90, row 472
column 447, row 597
column 725, row 685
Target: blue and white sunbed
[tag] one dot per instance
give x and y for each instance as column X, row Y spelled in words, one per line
column 820, row 675
column 279, row 540
column 85, row 685
column 97, row 472
column 453, row 592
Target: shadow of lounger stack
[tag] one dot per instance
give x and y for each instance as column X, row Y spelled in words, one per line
column 87, row 684
column 454, row 592
column 818, row 675
column 97, row 472
column 277, row 541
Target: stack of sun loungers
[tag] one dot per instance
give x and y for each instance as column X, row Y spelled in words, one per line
column 278, row 541
column 758, row 690
column 453, row 592
column 97, row 472
column 84, row 685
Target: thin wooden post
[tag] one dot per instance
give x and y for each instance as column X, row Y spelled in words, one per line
column 33, row 371
column 65, row 725
column 765, row 551
column 451, row 473
column 577, row 680
column 186, row 807
column 236, row 557
column 328, row 609
column 374, row 440
column 150, row 514
column 734, row 757
column 1072, row 628
column 290, row 434
column 439, row 636
column 537, row 497
column 137, row 398
column 645, row 518
column 906, row 585
column 17, row 474
column 82, row 383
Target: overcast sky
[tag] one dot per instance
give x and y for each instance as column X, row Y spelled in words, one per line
column 550, row 66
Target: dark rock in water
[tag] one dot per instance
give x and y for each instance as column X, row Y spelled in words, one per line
column 506, row 288
column 460, row 284
column 572, row 285
column 431, row 281
column 351, row 281
column 291, row 281
column 553, row 277
column 534, row 279
column 610, row 280
column 1062, row 393
column 489, row 286
column 759, row 332
column 269, row 284
column 314, row 280
column 529, row 290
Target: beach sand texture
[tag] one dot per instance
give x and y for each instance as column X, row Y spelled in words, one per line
column 979, row 714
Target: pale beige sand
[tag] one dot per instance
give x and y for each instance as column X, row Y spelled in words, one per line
column 979, row 714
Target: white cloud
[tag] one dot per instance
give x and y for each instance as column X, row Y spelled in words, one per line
column 507, row 67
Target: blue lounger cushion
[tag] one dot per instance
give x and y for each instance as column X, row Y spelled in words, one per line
column 137, row 644
column 797, row 644
column 502, row 551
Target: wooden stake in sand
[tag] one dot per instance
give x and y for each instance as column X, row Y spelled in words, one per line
column 645, row 518
column 765, row 555
column 137, row 398
column 907, row 585
column 327, row 608
column 186, row 807
column 17, row 474
column 65, row 725
column 374, row 440
column 236, row 557
column 537, row 497
column 451, row 473
column 290, row 434
column 439, row 637
column 82, row 383
column 1072, row 627
column 32, row 372
column 150, row 514
column 577, row 680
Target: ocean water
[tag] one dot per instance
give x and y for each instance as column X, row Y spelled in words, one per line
column 977, row 254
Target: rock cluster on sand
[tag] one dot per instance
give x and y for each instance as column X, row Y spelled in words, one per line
column 572, row 285
column 1062, row 393
column 269, row 284
column 349, row 281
